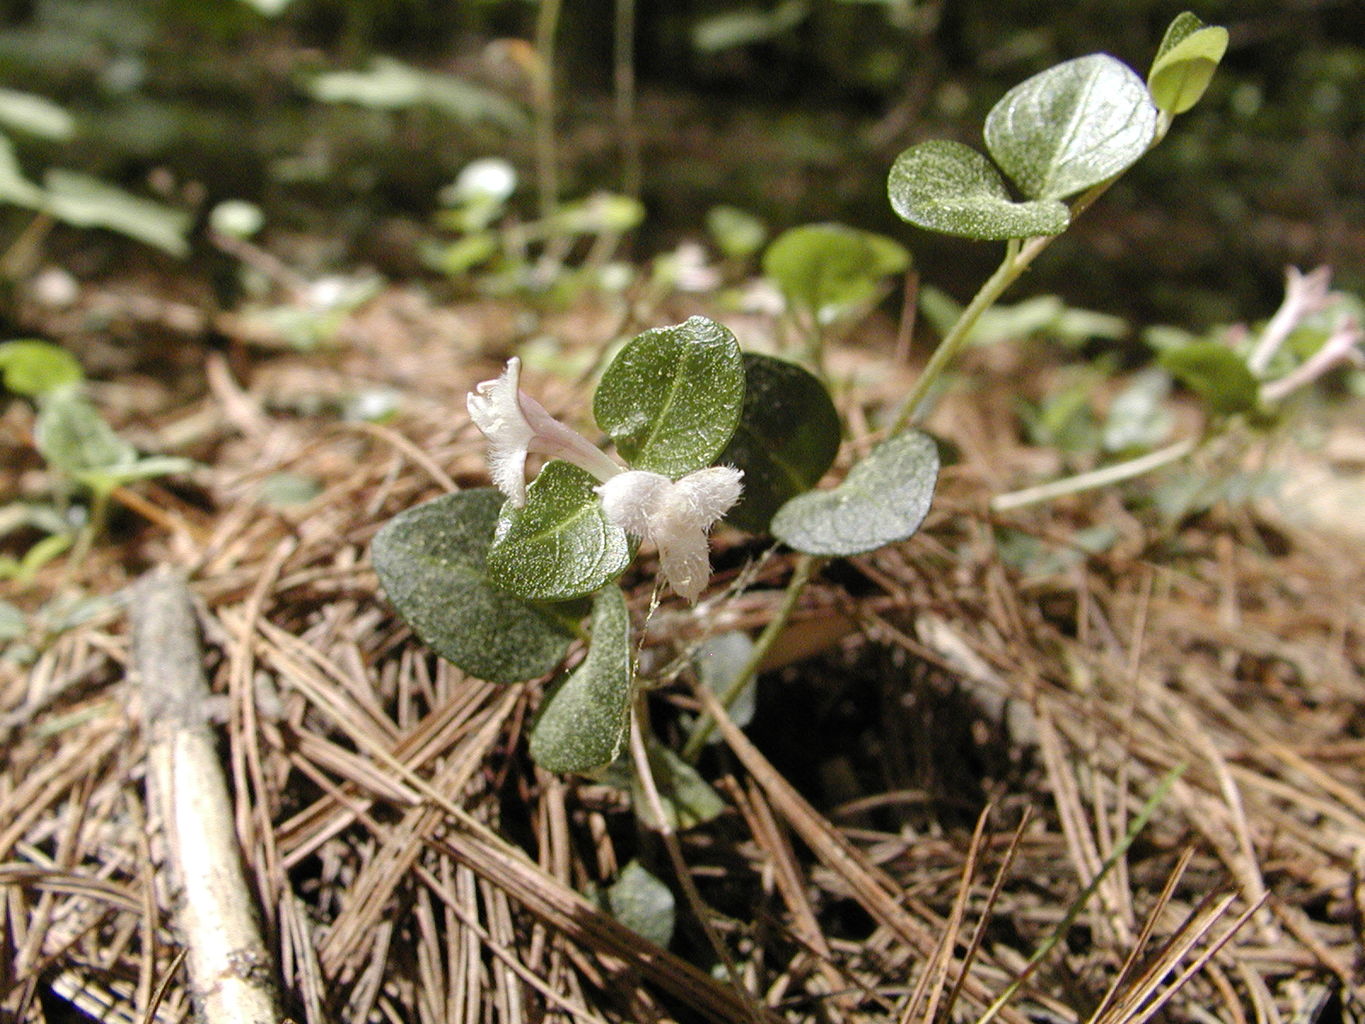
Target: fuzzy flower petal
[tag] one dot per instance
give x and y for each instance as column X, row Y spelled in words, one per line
column 495, row 409
column 675, row 516
column 516, row 424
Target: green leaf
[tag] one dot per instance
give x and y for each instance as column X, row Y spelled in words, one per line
column 389, row 84
column 825, row 268
column 884, row 499
column 74, row 438
column 86, row 202
column 688, row 800
column 787, row 438
column 586, row 716
column 1185, row 62
column 431, row 562
column 14, row 187
column 738, row 233
column 719, row 662
column 748, row 25
column 1216, row 374
column 643, row 904
column 560, row 544
column 948, row 187
column 672, row 397
column 33, row 368
column 25, row 112
column 1071, row 126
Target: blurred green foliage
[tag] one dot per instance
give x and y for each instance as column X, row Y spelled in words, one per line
column 791, row 110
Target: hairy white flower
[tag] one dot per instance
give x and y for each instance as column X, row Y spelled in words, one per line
column 516, row 424
column 675, row 516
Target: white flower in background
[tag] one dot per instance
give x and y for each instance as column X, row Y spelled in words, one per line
column 516, row 425
column 675, row 516
column 1304, row 295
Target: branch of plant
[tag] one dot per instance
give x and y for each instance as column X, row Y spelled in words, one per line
column 801, row 574
column 1019, row 254
column 547, row 173
column 640, row 756
column 1097, row 478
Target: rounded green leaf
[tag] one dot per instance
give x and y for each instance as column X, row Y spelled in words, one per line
column 586, row 716
column 1216, row 374
column 1185, row 62
column 643, row 904
column 559, row 545
column 787, row 438
column 32, row 368
column 1071, row 126
column 74, row 438
column 672, row 397
column 824, row 268
column 884, row 499
column 948, row 187
column 430, row 560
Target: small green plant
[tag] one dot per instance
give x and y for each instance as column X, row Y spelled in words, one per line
column 502, row 581
column 83, row 452
column 68, row 197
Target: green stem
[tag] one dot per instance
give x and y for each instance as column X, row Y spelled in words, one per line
column 801, row 573
column 547, row 173
column 1097, row 478
column 1019, row 254
column 624, row 78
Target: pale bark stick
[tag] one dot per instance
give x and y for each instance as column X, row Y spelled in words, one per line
column 230, row 971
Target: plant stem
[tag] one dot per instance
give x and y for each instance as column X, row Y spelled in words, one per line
column 801, row 573
column 623, row 50
column 639, row 753
column 1096, row 478
column 547, row 173
column 1019, row 254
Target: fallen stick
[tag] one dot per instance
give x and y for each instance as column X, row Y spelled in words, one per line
column 231, row 977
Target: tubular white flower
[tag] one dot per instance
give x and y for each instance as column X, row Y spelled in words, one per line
column 1304, row 295
column 516, row 424
column 675, row 516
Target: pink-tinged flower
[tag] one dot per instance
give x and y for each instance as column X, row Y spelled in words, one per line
column 516, row 425
column 675, row 516
column 1304, row 295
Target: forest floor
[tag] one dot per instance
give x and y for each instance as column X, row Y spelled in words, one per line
column 951, row 744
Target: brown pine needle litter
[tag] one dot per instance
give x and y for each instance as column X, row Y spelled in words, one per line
column 949, row 752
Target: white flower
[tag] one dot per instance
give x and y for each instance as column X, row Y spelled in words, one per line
column 675, row 516
column 516, row 424
column 1304, row 295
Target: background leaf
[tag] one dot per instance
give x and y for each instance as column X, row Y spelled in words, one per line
column 1071, row 126
column 643, row 904
column 1216, row 374
column 431, row 562
column 584, row 720
column 825, row 268
column 25, row 112
column 14, row 187
column 946, row 186
column 787, row 438
column 388, row 84
column 672, row 397
column 31, row 368
column 559, row 545
column 1185, row 62
column 719, row 662
column 86, row 202
column 884, row 499
column 74, row 438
